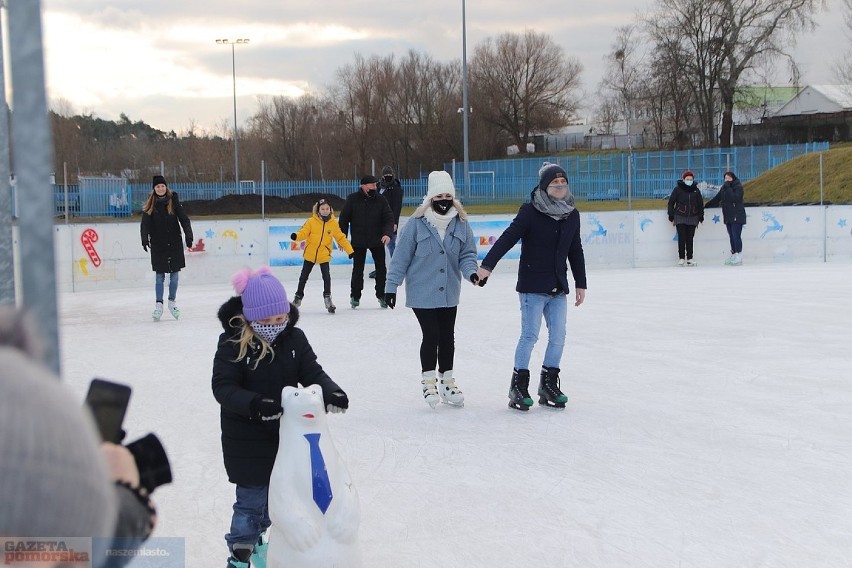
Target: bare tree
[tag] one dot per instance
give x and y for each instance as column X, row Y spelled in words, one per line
column 843, row 68
column 623, row 77
column 524, row 84
column 725, row 39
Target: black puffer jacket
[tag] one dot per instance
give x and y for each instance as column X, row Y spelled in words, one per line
column 730, row 198
column 367, row 218
column 393, row 193
column 161, row 232
column 686, row 206
column 250, row 445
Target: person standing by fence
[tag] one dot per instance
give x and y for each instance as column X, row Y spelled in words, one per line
column 391, row 189
column 730, row 199
column 686, row 211
column 162, row 219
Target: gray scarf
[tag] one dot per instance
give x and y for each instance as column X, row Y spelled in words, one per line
column 556, row 208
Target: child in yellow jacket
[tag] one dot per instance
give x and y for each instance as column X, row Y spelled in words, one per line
column 318, row 231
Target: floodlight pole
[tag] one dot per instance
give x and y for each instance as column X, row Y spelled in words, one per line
column 466, row 107
column 7, row 263
column 233, row 44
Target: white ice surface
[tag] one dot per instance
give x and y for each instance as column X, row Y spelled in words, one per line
column 708, row 423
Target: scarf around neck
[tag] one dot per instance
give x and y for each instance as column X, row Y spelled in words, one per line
column 556, row 208
column 440, row 222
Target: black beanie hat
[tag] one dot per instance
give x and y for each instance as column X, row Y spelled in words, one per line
column 387, row 171
column 368, row 179
column 158, row 180
column 548, row 173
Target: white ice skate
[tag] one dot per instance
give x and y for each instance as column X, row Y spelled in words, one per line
column 448, row 391
column 430, row 388
column 158, row 311
column 173, row 309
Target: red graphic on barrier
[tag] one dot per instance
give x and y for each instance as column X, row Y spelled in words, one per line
column 199, row 246
column 88, row 239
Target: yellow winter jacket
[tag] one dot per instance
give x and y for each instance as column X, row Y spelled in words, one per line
column 318, row 234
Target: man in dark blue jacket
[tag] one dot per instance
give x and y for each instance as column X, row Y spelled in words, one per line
column 369, row 220
column 549, row 230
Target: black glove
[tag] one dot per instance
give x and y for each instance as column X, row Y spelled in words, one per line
column 265, row 409
column 336, row 402
column 701, row 219
column 482, row 282
column 292, row 236
column 188, row 242
column 352, row 255
column 145, row 247
column 390, row 300
column 671, row 219
column 474, row 278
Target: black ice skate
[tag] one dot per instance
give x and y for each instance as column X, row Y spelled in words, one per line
column 548, row 389
column 329, row 305
column 519, row 394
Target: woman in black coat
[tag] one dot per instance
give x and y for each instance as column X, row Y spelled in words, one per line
column 162, row 219
column 730, row 199
column 686, row 211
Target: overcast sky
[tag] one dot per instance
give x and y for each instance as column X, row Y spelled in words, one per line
column 157, row 60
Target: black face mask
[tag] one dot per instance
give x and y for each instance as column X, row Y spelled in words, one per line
column 371, row 193
column 388, row 179
column 325, row 217
column 442, row 206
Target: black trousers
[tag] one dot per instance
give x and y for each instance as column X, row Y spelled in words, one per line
column 685, row 236
column 439, row 344
column 359, row 259
column 307, row 266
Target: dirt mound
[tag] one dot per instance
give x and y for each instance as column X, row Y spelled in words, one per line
column 235, row 204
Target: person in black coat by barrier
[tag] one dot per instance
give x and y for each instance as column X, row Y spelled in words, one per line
column 162, row 219
column 730, row 199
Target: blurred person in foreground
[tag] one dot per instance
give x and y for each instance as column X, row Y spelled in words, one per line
column 56, row 479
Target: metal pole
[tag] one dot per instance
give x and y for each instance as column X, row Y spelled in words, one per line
column 236, row 144
column 263, row 190
column 824, row 215
column 32, row 159
column 65, row 188
column 630, row 181
column 7, row 263
column 465, row 103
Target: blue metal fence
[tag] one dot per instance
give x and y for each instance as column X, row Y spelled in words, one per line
column 592, row 177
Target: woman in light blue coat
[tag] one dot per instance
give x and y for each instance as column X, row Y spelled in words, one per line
column 434, row 249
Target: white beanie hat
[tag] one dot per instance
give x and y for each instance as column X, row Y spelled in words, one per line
column 439, row 182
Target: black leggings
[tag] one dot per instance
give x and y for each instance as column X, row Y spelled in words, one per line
column 685, row 236
column 438, row 327
column 307, row 266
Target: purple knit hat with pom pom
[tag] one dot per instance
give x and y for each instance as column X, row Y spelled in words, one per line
column 263, row 295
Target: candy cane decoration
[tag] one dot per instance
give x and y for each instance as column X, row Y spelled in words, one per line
column 88, row 239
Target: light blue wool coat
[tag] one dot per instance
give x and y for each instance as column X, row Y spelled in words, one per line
column 432, row 269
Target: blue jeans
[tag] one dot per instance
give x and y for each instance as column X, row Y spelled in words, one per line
column 251, row 516
column 173, row 284
column 391, row 245
column 735, row 234
column 554, row 310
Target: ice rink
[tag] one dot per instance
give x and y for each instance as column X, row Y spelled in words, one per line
column 708, row 423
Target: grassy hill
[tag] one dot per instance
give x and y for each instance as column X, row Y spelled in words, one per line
column 797, row 181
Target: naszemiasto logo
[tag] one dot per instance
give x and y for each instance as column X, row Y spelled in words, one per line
column 42, row 550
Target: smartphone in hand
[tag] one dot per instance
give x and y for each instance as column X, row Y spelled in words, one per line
column 108, row 403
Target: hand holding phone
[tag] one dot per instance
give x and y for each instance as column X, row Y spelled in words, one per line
column 108, row 403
